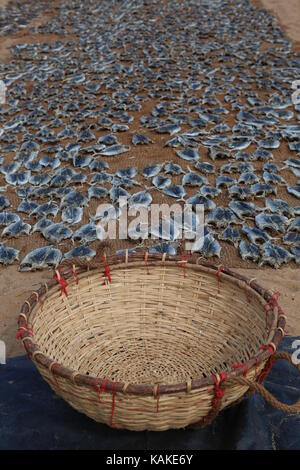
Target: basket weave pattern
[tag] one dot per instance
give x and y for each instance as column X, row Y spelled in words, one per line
column 148, row 349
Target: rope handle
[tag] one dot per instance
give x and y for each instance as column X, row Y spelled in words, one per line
column 220, row 386
column 259, row 388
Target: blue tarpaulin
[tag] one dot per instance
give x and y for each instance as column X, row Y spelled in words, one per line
column 33, row 417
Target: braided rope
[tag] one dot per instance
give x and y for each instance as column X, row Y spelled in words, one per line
column 258, row 388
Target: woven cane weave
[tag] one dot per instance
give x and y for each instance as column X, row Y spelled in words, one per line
column 147, row 342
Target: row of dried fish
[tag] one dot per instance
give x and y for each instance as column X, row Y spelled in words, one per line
column 193, row 78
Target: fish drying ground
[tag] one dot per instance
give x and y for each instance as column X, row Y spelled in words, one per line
column 162, row 102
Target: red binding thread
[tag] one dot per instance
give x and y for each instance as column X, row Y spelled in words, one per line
column 97, row 388
column 183, row 263
column 218, row 274
column 63, row 283
column 106, row 271
column 103, row 387
column 113, row 405
column 22, row 330
column 271, row 304
column 100, row 389
column 219, row 392
column 269, row 365
column 240, row 364
column 73, row 271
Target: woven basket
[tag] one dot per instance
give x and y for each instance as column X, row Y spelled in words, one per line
column 150, row 342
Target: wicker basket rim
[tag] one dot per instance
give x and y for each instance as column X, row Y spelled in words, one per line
column 115, row 262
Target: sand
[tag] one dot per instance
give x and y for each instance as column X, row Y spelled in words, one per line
column 15, row 287
column 288, row 14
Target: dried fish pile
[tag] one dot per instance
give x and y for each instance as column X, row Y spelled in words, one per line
column 195, row 86
column 15, row 16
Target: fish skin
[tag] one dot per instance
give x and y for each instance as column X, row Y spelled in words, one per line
column 114, row 150
column 41, row 258
column 16, row 229
column 57, row 232
column 81, row 252
column 8, row 255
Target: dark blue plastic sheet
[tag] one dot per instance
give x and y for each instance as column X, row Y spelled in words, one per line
column 33, row 417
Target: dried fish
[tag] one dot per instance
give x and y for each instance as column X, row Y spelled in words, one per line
column 296, row 253
column 210, row 247
column 18, row 178
column 198, row 199
column 243, row 209
column 262, row 190
column 140, row 199
column 249, row 251
column 140, row 139
column 220, row 217
column 205, row 167
column 166, row 230
column 176, row 191
column 41, row 225
column 114, row 150
column 72, row 215
column 168, row 129
column 8, row 255
column 274, row 222
column 81, row 252
column 97, row 192
column 291, row 238
column 279, row 206
column 41, row 258
column 7, row 218
column 274, row 255
column 193, row 179
column 4, row 202
column 294, row 226
column 85, row 234
column 189, row 154
column 240, row 192
column 173, row 169
column 55, row 233
column 255, row 235
column 49, row 208
column 294, row 190
column 74, row 198
column 248, row 178
column 16, row 229
column 161, row 182
column 129, row 172
column 152, row 170
column 209, row 191
column 231, row 235
column 163, row 247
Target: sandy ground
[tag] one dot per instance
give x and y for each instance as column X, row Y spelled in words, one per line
column 288, row 14
column 15, row 287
